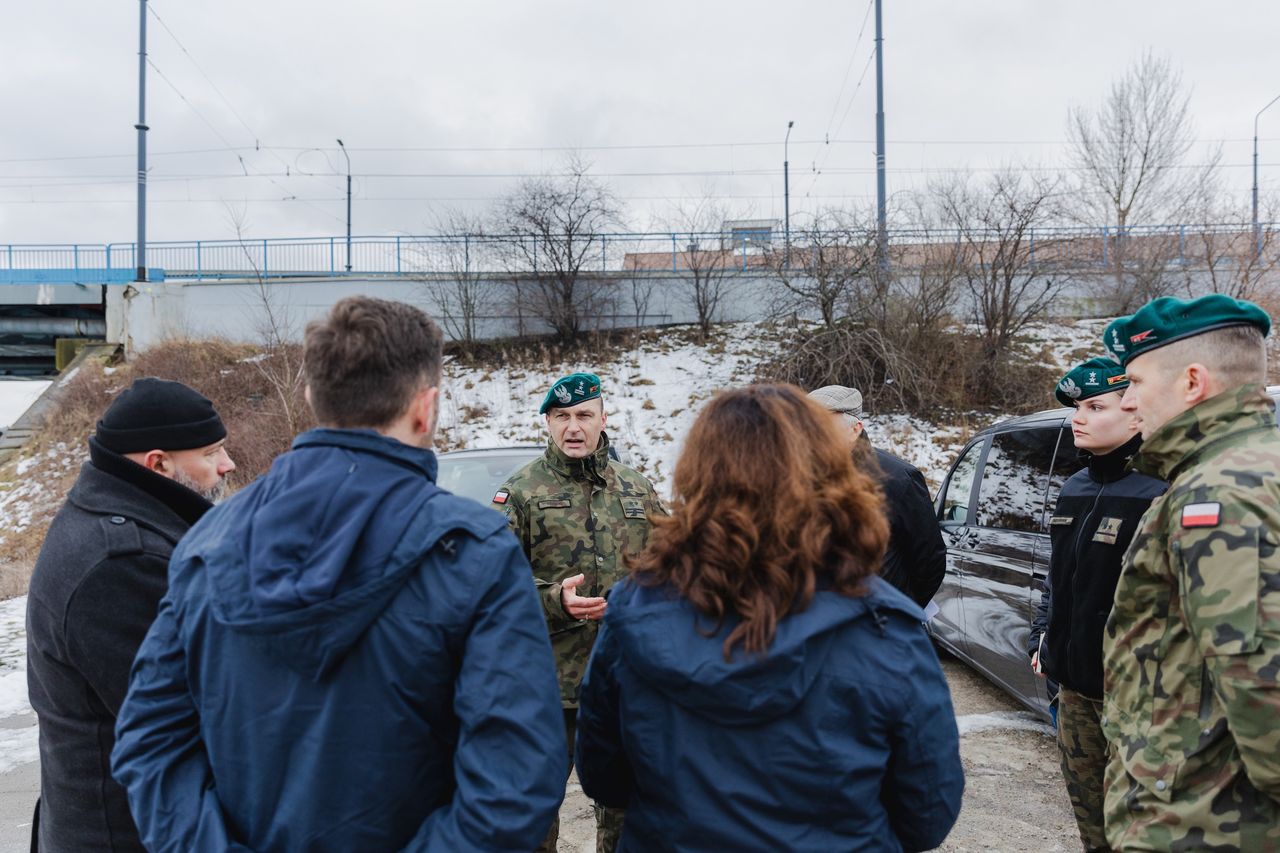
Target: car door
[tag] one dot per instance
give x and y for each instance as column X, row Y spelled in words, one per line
column 999, row 568
column 955, row 515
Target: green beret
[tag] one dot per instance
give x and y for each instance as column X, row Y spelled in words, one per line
column 1096, row 376
column 570, row 391
column 1165, row 320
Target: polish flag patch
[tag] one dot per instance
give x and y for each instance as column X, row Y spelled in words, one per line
column 501, row 496
column 1201, row 515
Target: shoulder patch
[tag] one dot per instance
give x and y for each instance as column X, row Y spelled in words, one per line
column 502, row 496
column 1202, row 515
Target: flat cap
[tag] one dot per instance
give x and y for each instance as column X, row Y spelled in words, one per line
column 1096, row 376
column 1165, row 320
column 838, row 398
column 570, row 391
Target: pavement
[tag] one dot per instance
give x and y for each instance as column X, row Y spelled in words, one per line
column 19, row 789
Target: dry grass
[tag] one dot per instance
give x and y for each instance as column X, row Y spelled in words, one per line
column 257, row 404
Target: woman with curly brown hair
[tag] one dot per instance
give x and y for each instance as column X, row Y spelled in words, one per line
column 756, row 686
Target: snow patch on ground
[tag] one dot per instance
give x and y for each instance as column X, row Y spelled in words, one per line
column 19, row 736
column 16, row 396
column 26, row 499
column 1002, row 720
column 652, row 393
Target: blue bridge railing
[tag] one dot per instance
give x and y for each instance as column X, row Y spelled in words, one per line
column 418, row 255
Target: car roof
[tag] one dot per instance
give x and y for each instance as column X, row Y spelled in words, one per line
column 1050, row 416
column 484, row 451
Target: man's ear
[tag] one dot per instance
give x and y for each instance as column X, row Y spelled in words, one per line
column 158, row 461
column 1197, row 383
column 424, row 406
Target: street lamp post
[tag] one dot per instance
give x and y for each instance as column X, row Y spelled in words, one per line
column 786, row 197
column 348, row 156
column 140, row 254
column 1257, row 230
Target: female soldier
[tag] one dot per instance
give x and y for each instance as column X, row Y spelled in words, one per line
column 1096, row 516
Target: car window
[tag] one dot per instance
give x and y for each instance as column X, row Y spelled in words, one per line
column 1067, row 462
column 478, row 477
column 955, row 503
column 1014, row 480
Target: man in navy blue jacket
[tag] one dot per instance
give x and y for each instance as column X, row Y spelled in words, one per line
column 348, row 658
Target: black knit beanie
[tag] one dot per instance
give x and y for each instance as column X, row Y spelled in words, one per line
column 156, row 414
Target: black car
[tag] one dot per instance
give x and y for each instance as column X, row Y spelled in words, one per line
column 994, row 509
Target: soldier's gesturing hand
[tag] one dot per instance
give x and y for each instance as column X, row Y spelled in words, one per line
column 577, row 606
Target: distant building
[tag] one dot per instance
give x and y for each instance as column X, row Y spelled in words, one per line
column 737, row 234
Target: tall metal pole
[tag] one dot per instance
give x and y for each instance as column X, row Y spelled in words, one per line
column 348, row 156
column 1257, row 229
column 786, row 197
column 882, row 228
column 141, row 127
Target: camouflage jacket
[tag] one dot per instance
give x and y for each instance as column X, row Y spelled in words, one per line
column 577, row 516
column 1192, row 647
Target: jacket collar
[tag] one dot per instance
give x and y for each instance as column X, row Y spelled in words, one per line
column 1109, row 467
column 113, row 485
column 591, row 468
column 1188, row 436
column 370, row 441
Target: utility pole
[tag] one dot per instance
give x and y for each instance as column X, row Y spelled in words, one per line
column 786, row 197
column 141, row 127
column 1257, row 229
column 348, row 156
column 882, row 228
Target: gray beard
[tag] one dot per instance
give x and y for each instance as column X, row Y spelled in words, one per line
column 213, row 495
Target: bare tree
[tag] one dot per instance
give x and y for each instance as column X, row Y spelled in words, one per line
column 1130, row 154
column 704, row 261
column 1228, row 257
column 451, row 277
column 993, row 224
column 280, row 362
column 551, row 228
column 832, row 255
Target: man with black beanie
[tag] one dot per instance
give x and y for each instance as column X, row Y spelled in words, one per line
column 156, row 463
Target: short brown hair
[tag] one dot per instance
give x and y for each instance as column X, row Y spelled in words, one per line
column 767, row 502
column 366, row 360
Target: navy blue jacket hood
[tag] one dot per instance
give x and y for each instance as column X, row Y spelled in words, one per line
column 748, row 689
column 841, row 737
column 311, row 574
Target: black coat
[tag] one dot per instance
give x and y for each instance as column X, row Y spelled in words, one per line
column 99, row 578
column 1098, row 511
column 916, row 559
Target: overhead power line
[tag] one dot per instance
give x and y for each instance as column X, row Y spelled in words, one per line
column 458, row 149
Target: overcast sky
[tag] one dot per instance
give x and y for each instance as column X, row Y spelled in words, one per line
column 447, row 105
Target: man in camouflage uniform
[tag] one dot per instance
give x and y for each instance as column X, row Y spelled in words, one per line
column 1192, row 705
column 577, row 513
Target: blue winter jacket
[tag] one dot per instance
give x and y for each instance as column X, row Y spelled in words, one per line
column 841, row 738
column 348, row 658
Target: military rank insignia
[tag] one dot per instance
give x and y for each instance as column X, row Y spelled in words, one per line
column 1108, row 530
column 501, row 496
column 1201, row 515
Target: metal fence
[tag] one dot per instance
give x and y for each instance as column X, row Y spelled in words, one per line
column 411, row 256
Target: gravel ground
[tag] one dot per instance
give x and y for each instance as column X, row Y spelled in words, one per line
column 1014, row 797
